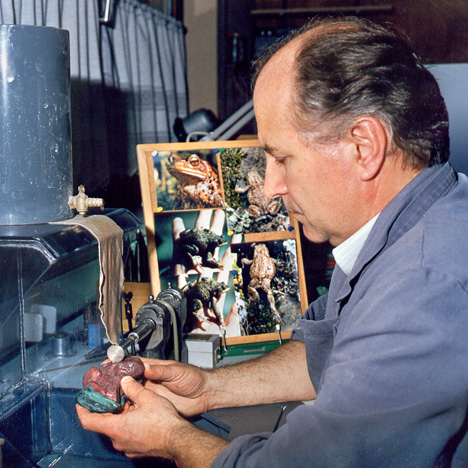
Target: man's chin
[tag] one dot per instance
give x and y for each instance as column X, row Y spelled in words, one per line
column 312, row 234
column 300, row 218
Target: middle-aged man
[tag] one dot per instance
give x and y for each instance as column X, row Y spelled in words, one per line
column 356, row 140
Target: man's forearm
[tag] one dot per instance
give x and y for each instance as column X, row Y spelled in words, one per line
column 278, row 376
column 194, row 448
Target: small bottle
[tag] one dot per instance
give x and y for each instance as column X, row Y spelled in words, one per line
column 95, row 327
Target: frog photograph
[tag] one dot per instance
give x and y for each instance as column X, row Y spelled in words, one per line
column 267, row 286
column 187, row 180
column 212, row 233
column 248, row 210
column 194, row 252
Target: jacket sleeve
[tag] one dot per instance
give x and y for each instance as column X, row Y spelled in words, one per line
column 393, row 390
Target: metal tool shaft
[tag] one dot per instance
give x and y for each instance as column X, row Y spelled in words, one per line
column 116, row 353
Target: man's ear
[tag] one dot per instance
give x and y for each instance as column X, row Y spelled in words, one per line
column 369, row 139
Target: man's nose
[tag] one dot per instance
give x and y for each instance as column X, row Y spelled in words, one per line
column 274, row 184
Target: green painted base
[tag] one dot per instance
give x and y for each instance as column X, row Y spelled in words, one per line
column 95, row 402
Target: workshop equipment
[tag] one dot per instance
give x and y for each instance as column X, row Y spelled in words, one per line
column 158, row 330
column 49, row 277
column 50, row 272
column 35, row 131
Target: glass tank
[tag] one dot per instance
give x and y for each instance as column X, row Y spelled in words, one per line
column 49, row 329
column 48, row 293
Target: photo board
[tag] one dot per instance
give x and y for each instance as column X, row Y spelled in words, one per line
column 212, row 233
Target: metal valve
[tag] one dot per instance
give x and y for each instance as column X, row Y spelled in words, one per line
column 82, row 202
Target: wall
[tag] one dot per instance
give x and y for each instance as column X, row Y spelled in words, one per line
column 200, row 19
column 438, row 29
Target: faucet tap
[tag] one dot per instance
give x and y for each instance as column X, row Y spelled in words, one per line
column 82, row 202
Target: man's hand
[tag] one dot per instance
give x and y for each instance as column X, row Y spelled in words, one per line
column 144, row 428
column 184, row 385
column 150, row 426
column 193, row 391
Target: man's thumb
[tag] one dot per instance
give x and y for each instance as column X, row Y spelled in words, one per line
column 130, row 386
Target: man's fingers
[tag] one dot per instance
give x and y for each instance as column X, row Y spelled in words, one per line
column 217, row 224
column 161, row 373
column 203, row 219
column 162, row 362
column 82, row 413
column 96, row 422
column 177, row 227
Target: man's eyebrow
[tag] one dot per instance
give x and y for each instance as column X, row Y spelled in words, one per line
column 269, row 149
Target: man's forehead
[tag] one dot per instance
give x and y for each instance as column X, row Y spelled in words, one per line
column 276, row 78
column 278, row 74
column 285, row 58
column 283, row 61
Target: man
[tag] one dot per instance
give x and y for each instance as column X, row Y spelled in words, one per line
column 356, row 139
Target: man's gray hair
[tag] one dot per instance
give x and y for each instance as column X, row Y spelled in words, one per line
column 350, row 67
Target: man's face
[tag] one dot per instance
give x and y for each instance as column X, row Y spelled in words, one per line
column 317, row 183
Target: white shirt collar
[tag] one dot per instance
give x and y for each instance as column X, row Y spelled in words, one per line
column 347, row 252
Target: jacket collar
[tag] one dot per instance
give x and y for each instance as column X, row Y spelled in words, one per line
column 400, row 215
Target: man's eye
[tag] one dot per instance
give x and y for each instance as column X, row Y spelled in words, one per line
column 279, row 160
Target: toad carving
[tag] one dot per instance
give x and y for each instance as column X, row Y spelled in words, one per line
column 262, row 271
column 198, row 183
column 259, row 203
column 101, row 386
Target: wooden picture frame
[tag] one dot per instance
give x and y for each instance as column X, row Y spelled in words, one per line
column 214, row 189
